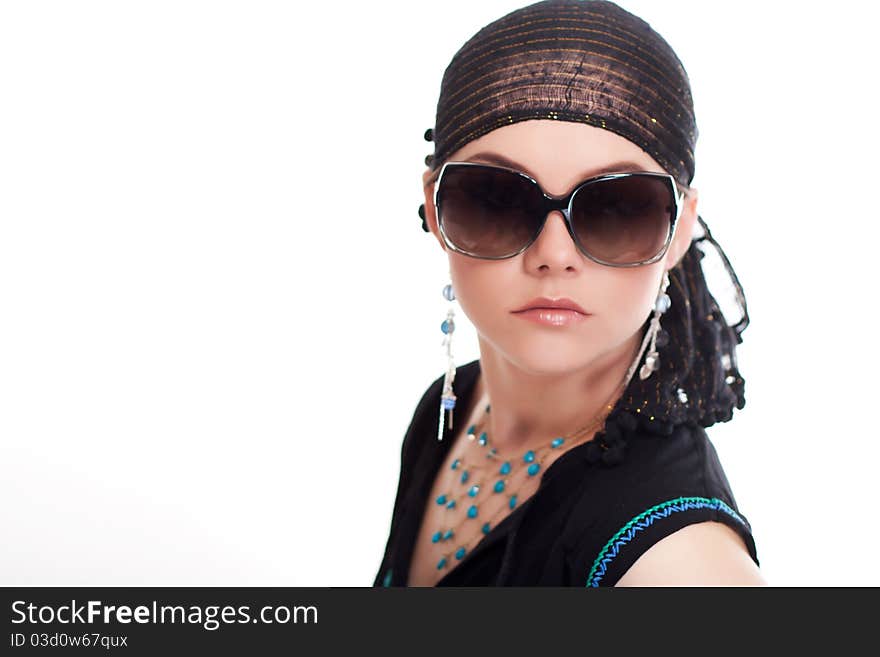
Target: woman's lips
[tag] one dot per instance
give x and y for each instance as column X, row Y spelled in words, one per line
column 552, row 316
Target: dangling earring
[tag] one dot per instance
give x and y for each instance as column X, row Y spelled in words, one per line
column 447, row 400
column 652, row 360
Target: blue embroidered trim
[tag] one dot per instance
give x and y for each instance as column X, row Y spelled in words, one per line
column 642, row 521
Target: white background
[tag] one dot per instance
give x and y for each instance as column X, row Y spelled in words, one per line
column 218, row 309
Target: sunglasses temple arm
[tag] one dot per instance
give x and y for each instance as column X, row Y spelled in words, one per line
column 741, row 325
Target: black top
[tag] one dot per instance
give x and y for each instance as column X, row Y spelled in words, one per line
column 585, row 525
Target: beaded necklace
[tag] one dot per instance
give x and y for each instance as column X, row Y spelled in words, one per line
column 532, row 460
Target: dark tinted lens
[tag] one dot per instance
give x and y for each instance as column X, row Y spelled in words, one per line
column 486, row 211
column 624, row 220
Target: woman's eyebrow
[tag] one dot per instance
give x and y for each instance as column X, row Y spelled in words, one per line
column 497, row 158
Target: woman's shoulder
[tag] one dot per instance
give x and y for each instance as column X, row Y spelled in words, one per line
column 664, row 484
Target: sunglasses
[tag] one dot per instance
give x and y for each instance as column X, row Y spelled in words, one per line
column 615, row 219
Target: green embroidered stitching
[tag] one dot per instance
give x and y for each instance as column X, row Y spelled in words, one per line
column 714, row 501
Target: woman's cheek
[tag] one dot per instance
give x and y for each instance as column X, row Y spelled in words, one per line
column 484, row 297
column 620, row 308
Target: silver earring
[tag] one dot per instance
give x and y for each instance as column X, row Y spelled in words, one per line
column 447, row 400
column 652, row 360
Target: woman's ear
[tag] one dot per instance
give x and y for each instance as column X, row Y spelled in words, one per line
column 684, row 231
column 430, row 211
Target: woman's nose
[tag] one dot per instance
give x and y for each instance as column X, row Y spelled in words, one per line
column 554, row 246
column 555, row 231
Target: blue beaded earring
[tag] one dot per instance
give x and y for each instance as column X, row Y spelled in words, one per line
column 652, row 360
column 447, row 399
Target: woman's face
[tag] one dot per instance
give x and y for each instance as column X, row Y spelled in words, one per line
column 559, row 155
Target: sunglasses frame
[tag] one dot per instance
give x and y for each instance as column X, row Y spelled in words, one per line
column 563, row 203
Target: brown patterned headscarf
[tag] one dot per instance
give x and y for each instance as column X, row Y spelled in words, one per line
column 590, row 61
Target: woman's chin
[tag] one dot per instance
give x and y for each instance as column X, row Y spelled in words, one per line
column 549, row 359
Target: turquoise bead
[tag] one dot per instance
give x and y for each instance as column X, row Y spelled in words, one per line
column 471, row 429
column 557, row 442
column 472, row 511
column 448, row 403
column 464, row 476
column 459, row 553
column 387, row 580
column 529, row 456
column 499, row 485
column 447, row 326
column 441, row 563
column 447, row 535
column 451, row 504
column 441, row 499
column 505, row 468
column 473, row 490
column 483, row 438
column 512, row 501
column 485, row 527
column 533, row 469
column 435, row 537
column 455, row 464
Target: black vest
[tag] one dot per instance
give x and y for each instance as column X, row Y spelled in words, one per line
column 586, row 524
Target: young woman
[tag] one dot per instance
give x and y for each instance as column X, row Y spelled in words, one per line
column 573, row 451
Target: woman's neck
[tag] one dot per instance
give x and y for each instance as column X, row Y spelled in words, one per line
column 529, row 409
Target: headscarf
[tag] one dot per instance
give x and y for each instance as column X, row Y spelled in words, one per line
column 591, row 61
